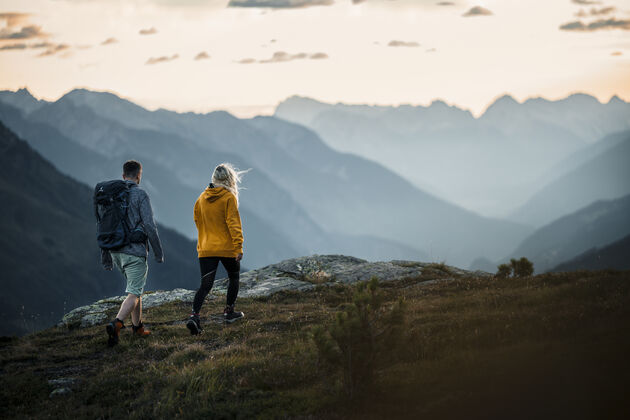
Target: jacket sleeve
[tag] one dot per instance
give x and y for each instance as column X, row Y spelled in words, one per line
column 150, row 228
column 233, row 220
column 106, row 259
column 197, row 214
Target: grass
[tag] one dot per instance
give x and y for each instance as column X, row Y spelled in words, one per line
column 549, row 346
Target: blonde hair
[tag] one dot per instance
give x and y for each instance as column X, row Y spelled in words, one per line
column 227, row 176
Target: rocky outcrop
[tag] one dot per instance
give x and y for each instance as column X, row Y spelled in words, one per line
column 97, row 313
column 300, row 274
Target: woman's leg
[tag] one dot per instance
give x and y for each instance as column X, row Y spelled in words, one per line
column 233, row 269
column 208, row 266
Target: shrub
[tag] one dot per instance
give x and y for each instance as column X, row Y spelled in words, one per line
column 361, row 337
column 504, row 271
column 522, row 267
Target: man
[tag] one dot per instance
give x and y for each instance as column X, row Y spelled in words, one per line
column 131, row 259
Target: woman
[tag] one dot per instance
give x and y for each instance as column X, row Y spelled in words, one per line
column 220, row 238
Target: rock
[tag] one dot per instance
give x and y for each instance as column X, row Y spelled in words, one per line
column 57, row 392
column 303, row 272
column 300, row 274
column 62, row 382
column 97, row 313
column 159, row 298
column 87, row 316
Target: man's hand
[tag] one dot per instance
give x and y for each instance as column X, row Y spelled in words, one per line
column 239, row 257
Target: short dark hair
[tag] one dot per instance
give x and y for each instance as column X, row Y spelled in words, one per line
column 131, row 168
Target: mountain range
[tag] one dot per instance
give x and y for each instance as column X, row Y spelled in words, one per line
column 491, row 164
column 301, row 197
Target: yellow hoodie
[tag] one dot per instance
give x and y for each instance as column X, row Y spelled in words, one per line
column 218, row 224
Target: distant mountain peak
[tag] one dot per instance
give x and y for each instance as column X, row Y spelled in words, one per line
column 506, row 99
column 616, row 100
column 501, row 104
column 439, row 103
column 582, row 98
column 24, row 92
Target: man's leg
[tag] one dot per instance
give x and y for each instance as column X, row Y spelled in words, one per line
column 134, row 269
column 136, row 313
column 127, row 307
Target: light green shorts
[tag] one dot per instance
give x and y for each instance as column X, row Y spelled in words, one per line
column 134, row 269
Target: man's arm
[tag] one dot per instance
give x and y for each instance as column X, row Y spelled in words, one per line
column 150, row 228
column 106, row 259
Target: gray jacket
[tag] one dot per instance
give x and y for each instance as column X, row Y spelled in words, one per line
column 139, row 214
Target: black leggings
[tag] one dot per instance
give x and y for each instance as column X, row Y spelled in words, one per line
column 209, row 267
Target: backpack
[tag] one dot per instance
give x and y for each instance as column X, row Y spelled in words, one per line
column 111, row 200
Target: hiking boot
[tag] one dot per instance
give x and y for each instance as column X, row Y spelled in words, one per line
column 140, row 331
column 113, row 329
column 194, row 324
column 230, row 315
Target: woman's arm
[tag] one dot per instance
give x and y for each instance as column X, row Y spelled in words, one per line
column 233, row 220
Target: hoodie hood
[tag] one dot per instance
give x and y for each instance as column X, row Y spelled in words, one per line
column 212, row 193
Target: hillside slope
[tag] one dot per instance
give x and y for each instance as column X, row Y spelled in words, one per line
column 596, row 225
column 615, row 255
column 603, row 177
column 547, row 347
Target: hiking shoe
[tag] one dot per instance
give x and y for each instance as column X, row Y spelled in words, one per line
column 230, row 315
column 113, row 329
column 140, row 331
column 194, row 324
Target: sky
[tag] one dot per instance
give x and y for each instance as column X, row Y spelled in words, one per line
column 246, row 56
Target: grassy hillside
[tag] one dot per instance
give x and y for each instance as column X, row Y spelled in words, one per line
column 551, row 346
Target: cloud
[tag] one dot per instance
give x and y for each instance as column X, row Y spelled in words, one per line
column 163, row 59
column 587, row 2
column 13, row 47
column 202, row 56
column 149, row 31
column 279, row 4
column 445, row 3
column 477, row 11
column 54, row 49
column 431, row 50
column 595, row 12
column 282, row 56
column 616, row 53
column 602, row 11
column 601, row 24
column 109, row 41
column 49, row 46
column 26, row 32
column 396, row 43
column 14, row 19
